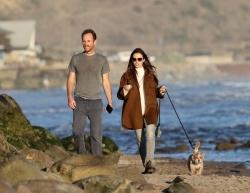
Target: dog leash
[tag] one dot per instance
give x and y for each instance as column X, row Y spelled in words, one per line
column 180, row 121
column 158, row 127
column 159, row 121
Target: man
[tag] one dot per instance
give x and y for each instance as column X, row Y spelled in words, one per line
column 88, row 70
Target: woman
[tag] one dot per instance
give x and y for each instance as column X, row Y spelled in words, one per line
column 139, row 90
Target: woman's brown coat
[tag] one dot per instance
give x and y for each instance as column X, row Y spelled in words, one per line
column 131, row 111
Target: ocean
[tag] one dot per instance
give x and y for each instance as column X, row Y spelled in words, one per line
column 210, row 111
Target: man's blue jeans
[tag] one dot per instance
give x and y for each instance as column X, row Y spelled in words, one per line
column 93, row 110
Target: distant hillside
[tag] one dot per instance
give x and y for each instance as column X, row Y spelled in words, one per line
column 158, row 26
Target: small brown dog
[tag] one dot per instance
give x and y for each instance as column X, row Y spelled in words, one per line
column 195, row 161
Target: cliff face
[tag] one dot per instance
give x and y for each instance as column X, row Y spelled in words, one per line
column 158, row 26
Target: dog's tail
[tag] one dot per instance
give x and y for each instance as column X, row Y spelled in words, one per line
column 197, row 146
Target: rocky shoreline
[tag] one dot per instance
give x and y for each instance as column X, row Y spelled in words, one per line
column 32, row 160
column 218, row 177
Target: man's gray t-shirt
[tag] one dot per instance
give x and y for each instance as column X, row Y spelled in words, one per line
column 88, row 71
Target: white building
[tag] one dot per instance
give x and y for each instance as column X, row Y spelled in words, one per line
column 22, row 38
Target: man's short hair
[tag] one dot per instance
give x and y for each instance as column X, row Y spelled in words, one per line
column 86, row 31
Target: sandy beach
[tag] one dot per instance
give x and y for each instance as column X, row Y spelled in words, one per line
column 217, row 177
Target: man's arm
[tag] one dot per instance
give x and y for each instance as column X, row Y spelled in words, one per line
column 70, row 87
column 107, row 88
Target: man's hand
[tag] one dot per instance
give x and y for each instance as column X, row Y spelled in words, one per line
column 72, row 104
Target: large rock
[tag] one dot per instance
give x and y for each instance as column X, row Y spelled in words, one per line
column 18, row 131
column 234, row 140
column 17, row 134
column 104, row 183
column 5, row 187
column 77, row 167
column 46, row 159
column 222, row 146
column 245, row 145
column 47, row 186
column 16, row 169
column 39, row 157
column 179, row 186
column 180, row 148
column 5, row 147
column 57, row 153
column 109, row 148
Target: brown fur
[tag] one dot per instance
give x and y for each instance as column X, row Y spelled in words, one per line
column 195, row 161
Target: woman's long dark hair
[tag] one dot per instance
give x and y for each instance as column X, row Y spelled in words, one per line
column 148, row 67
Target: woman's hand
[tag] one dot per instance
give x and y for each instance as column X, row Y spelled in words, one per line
column 163, row 90
column 127, row 87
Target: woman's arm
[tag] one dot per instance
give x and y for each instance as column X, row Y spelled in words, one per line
column 123, row 88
